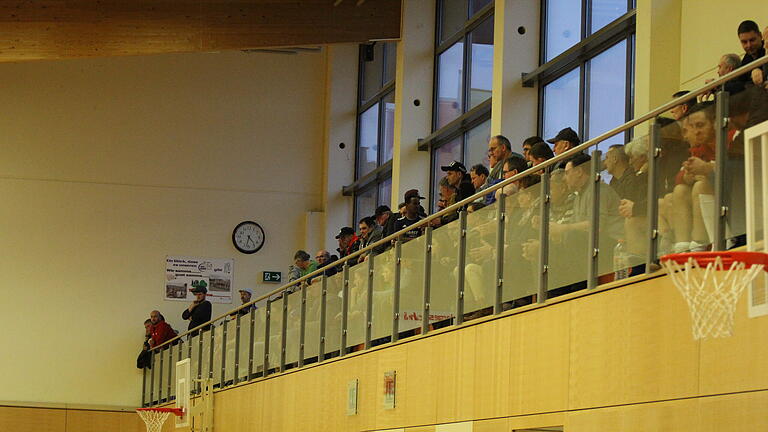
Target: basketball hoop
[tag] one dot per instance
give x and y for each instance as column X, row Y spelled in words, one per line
column 155, row 417
column 711, row 285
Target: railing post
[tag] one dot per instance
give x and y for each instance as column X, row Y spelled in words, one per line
column 323, row 306
column 499, row 267
column 544, row 213
column 461, row 266
column 267, row 319
column 721, row 159
column 236, row 372
column 425, row 312
column 160, row 378
column 344, row 309
column 224, row 354
column 594, row 220
column 302, row 323
column 652, row 210
column 199, row 359
column 284, row 330
column 369, row 302
column 396, row 293
column 144, row 386
column 152, row 376
column 171, row 366
column 252, row 337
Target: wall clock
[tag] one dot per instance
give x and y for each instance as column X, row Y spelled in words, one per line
column 248, row 237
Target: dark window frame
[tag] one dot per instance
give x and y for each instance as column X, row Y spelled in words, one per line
column 383, row 171
column 470, row 118
column 580, row 55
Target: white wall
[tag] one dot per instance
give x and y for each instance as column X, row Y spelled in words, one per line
column 109, row 165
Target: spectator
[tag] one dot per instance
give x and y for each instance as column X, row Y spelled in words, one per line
column 447, row 198
column 513, row 165
column 245, row 297
column 539, row 153
column 349, row 243
column 565, row 140
column 370, row 233
column 617, row 164
column 457, row 176
column 144, row 360
column 751, row 41
column 199, row 312
column 412, row 216
column 478, row 175
column 385, row 220
column 401, row 209
column 324, row 258
column 679, row 111
column 302, row 266
column 758, row 75
column 499, row 149
column 161, row 331
column 528, row 145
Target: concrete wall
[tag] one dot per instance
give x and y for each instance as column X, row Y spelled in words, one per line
column 109, row 165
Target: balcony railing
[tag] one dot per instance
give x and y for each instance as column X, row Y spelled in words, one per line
column 557, row 235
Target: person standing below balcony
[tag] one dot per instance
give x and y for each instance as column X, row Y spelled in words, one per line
column 199, row 312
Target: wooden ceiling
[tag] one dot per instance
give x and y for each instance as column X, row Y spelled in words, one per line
column 57, row 29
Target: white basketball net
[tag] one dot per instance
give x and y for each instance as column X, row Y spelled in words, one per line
column 154, row 419
column 711, row 293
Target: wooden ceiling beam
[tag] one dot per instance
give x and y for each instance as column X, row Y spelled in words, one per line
column 57, row 29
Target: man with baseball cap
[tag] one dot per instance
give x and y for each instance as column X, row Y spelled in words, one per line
column 349, row 243
column 565, row 140
column 199, row 312
column 245, row 297
column 457, row 177
column 412, row 216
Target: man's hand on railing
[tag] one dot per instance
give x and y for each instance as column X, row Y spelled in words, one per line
column 625, row 208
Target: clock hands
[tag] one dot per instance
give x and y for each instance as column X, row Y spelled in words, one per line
column 250, row 241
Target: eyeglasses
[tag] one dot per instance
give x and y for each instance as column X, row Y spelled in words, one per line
column 320, row 257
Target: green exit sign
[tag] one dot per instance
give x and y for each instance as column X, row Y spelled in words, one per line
column 270, row 276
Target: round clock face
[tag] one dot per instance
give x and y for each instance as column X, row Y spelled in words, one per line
column 248, row 237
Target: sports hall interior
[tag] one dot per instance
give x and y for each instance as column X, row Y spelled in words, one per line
column 117, row 155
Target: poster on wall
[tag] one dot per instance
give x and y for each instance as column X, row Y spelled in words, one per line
column 184, row 273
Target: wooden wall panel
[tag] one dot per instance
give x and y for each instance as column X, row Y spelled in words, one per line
column 99, row 421
column 86, row 28
column 493, row 359
column 543, row 357
column 32, row 419
column 631, row 344
column 731, row 364
column 734, row 413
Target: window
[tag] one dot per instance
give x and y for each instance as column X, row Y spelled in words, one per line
column 375, row 128
column 463, row 83
column 592, row 92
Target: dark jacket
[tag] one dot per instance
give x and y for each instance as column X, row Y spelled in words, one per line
column 200, row 314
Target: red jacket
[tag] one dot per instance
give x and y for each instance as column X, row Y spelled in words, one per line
column 162, row 332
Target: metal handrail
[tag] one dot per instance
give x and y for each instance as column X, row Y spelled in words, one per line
column 703, row 90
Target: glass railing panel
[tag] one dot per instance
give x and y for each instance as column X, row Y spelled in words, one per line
column 411, row 286
column 623, row 222
column 333, row 314
column 193, row 342
column 219, row 345
column 480, row 260
column 275, row 332
column 383, row 290
column 293, row 328
column 745, row 109
column 258, row 340
column 230, row 356
column 174, row 354
column 358, row 301
column 445, row 242
column 244, row 347
column 568, row 246
column 156, row 377
column 208, row 367
column 166, row 367
column 521, row 244
column 312, row 329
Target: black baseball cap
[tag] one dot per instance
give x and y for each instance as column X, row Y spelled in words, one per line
column 412, row 193
column 455, row 166
column 345, row 231
column 566, row 134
